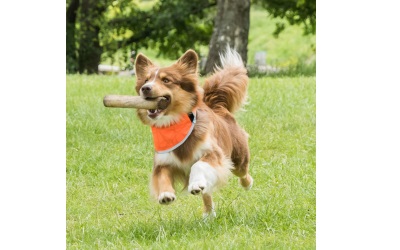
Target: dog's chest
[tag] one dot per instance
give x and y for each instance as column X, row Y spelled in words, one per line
column 171, row 159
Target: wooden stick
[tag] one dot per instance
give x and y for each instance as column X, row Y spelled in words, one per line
column 126, row 101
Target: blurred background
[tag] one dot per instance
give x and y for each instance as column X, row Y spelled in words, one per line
column 273, row 37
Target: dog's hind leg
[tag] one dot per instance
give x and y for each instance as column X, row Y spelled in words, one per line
column 246, row 181
column 162, row 185
column 241, row 168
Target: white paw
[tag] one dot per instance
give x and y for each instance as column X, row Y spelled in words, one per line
column 166, row 198
column 196, row 187
column 209, row 216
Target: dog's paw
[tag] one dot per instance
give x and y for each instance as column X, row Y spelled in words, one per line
column 209, row 212
column 246, row 182
column 209, row 215
column 197, row 187
column 166, row 198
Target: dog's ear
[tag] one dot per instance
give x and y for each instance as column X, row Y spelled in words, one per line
column 142, row 63
column 189, row 61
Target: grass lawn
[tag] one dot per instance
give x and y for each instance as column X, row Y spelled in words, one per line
column 109, row 161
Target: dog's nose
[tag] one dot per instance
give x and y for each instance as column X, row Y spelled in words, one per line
column 146, row 89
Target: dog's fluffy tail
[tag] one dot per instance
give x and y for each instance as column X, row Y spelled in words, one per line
column 227, row 87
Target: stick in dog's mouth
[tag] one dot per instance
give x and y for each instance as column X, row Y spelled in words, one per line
column 124, row 101
column 162, row 105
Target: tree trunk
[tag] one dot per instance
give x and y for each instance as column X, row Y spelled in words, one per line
column 89, row 45
column 72, row 63
column 231, row 28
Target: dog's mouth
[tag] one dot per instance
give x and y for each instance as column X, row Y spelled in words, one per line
column 154, row 113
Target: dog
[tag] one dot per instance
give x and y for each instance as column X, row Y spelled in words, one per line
column 196, row 137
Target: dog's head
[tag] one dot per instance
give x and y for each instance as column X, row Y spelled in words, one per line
column 178, row 83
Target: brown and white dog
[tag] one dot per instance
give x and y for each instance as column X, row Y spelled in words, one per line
column 196, row 137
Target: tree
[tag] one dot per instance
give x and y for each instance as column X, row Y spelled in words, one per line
column 231, row 28
column 71, row 54
column 83, row 49
column 91, row 16
column 232, row 23
column 170, row 27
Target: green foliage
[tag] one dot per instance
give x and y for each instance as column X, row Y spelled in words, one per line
column 170, row 27
column 115, row 28
column 291, row 51
column 291, row 48
column 109, row 161
column 294, row 11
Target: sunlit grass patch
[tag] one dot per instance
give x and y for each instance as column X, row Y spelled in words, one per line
column 109, row 161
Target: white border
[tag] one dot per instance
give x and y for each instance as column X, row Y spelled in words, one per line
column 358, row 125
column 32, row 103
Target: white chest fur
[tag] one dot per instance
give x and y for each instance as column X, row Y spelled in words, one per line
column 170, row 158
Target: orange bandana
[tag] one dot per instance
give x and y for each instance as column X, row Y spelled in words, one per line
column 169, row 138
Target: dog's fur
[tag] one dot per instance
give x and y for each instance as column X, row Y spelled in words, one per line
column 217, row 146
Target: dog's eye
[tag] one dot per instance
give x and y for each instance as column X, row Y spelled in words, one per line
column 166, row 80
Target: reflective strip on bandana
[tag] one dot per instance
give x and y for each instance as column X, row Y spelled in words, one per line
column 166, row 139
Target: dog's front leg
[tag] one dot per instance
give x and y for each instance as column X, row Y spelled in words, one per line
column 162, row 184
column 203, row 179
column 209, row 210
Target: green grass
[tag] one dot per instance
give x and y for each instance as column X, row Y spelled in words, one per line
column 109, row 161
column 289, row 49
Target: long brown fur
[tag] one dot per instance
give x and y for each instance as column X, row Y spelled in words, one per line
column 217, row 140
